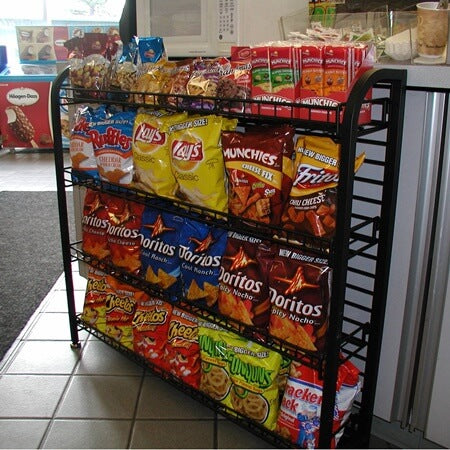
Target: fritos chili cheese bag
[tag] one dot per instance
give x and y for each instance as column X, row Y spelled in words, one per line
column 94, row 309
column 124, row 226
column 151, row 157
column 111, row 140
column 150, row 327
column 197, row 160
column 299, row 286
column 311, row 207
column 160, row 232
column 201, row 249
column 299, row 418
column 241, row 374
column 243, row 280
column 182, row 352
column 95, row 224
column 120, row 308
column 80, row 148
column 254, row 164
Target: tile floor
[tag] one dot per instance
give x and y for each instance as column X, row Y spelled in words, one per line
column 53, row 396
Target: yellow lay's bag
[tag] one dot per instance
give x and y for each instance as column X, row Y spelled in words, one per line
column 152, row 168
column 197, row 160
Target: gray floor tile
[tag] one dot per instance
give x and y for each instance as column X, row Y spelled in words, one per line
column 173, row 434
column 44, row 357
column 100, row 359
column 100, row 397
column 57, row 302
column 50, row 326
column 159, row 400
column 22, row 433
column 88, row 434
column 30, row 395
column 230, row 435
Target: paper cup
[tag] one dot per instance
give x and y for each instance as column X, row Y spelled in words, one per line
column 432, row 30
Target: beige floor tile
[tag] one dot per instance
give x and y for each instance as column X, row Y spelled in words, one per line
column 22, row 433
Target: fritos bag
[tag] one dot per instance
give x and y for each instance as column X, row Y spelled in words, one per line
column 160, row 235
column 299, row 287
column 299, row 418
column 254, row 164
column 201, row 249
column 197, row 160
column 123, row 233
column 121, row 301
column 182, row 352
column 311, row 207
column 240, row 373
column 243, row 280
column 111, row 140
column 95, row 224
column 150, row 327
column 151, row 156
column 94, row 309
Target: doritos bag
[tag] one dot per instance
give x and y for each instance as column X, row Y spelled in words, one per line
column 150, row 327
column 201, row 250
column 299, row 418
column 243, row 281
column 182, row 352
column 160, row 261
column 124, row 240
column 95, row 224
column 299, row 286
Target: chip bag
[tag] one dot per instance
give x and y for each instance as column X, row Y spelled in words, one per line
column 300, row 287
column 94, row 308
column 150, row 327
column 95, row 224
column 182, row 352
column 243, row 280
column 240, row 373
column 121, row 301
column 151, row 156
column 123, row 233
column 160, row 232
column 254, row 164
column 111, row 140
column 201, row 249
column 299, row 418
column 311, row 207
column 197, row 160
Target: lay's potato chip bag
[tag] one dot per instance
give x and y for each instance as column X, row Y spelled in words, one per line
column 151, row 157
column 197, row 160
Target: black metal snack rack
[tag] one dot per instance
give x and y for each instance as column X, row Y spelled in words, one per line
column 359, row 254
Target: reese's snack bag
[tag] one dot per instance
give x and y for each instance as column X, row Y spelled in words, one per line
column 80, row 147
column 151, row 156
column 243, row 280
column 299, row 417
column 201, row 249
column 240, row 373
column 124, row 226
column 94, row 309
column 160, row 234
column 150, row 327
column 197, row 160
column 254, row 164
column 111, row 140
column 311, row 207
column 299, row 286
column 121, row 301
column 95, row 224
column 182, row 352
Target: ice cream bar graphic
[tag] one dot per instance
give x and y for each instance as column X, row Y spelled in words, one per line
column 20, row 125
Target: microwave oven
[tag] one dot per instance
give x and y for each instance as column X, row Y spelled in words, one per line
column 211, row 27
